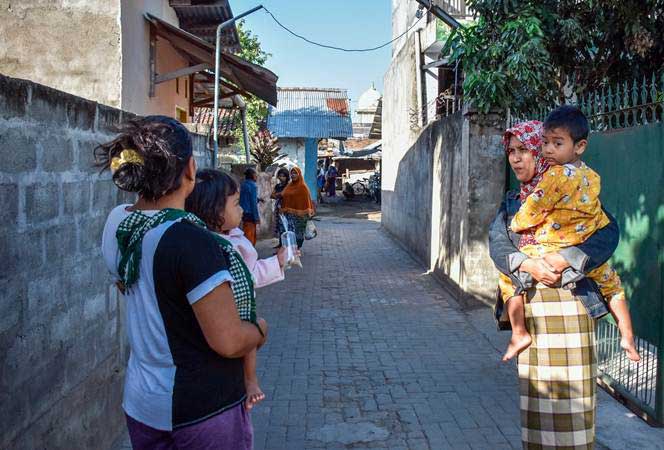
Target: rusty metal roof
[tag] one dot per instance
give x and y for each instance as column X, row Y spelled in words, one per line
column 229, row 119
column 201, row 17
column 311, row 113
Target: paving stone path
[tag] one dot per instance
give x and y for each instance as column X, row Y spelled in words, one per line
column 367, row 351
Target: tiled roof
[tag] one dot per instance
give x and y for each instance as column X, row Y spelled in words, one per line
column 229, row 119
column 311, row 113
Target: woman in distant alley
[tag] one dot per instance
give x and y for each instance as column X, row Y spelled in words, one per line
column 283, row 178
column 184, row 385
column 557, row 375
column 296, row 205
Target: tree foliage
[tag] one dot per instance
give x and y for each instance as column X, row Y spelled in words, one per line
column 524, row 54
column 256, row 108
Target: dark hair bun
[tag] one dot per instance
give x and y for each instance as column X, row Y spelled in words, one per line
column 130, row 177
column 164, row 147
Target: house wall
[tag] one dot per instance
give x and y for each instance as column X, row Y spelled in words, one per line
column 73, row 46
column 96, row 49
column 403, row 16
column 294, row 149
column 136, row 61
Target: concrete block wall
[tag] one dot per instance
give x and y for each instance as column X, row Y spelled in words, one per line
column 442, row 195
column 62, row 342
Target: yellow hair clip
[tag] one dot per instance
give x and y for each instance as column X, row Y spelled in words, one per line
column 126, row 156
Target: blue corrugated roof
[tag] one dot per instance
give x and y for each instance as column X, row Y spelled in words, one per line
column 311, row 113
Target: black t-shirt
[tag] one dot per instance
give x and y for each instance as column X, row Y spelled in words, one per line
column 186, row 262
column 173, row 377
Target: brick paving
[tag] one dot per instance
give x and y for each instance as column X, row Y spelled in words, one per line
column 367, row 351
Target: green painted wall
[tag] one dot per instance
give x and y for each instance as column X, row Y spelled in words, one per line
column 631, row 162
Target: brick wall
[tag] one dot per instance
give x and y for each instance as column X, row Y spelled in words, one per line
column 62, row 342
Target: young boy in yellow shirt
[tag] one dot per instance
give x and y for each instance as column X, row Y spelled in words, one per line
column 564, row 210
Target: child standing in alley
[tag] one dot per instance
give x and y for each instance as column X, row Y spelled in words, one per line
column 564, row 210
column 216, row 201
column 249, row 203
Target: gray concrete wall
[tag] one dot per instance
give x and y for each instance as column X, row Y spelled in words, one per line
column 62, row 340
column 73, row 46
column 442, row 189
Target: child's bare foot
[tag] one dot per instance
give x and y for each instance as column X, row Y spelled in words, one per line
column 254, row 394
column 630, row 349
column 518, row 343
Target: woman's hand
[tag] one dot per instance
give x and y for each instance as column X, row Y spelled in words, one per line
column 556, row 261
column 541, row 271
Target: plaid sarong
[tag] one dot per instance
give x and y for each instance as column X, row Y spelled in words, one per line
column 557, row 373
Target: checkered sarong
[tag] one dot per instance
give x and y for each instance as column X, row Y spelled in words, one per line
column 557, row 373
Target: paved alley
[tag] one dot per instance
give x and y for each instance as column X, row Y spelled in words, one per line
column 366, row 351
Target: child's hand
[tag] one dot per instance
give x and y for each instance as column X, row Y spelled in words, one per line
column 282, row 255
column 556, row 261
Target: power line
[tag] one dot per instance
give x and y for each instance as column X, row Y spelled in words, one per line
column 352, row 50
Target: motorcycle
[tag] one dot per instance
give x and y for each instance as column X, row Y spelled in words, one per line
column 375, row 187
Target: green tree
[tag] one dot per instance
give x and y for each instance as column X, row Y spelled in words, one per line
column 527, row 54
column 256, row 108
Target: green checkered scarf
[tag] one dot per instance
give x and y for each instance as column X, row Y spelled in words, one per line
column 243, row 284
column 130, row 235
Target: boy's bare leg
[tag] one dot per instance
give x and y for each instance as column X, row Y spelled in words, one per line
column 620, row 311
column 254, row 393
column 520, row 337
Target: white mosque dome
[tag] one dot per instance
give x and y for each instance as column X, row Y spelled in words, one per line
column 369, row 100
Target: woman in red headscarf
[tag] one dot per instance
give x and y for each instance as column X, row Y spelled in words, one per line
column 296, row 205
column 557, row 371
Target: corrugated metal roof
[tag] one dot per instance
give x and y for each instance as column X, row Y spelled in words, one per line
column 201, row 18
column 311, row 113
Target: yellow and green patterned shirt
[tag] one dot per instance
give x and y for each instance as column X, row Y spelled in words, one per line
column 564, row 210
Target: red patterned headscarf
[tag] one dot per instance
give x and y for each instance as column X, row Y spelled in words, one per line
column 530, row 135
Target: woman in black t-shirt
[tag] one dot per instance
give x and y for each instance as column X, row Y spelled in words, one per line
column 184, row 385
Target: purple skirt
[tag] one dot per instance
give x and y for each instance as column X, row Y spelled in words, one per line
column 230, row 430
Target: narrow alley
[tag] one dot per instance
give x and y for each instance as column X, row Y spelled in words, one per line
column 367, row 351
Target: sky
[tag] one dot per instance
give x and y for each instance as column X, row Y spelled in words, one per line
column 343, row 23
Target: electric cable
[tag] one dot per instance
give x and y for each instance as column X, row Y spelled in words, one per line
column 350, row 50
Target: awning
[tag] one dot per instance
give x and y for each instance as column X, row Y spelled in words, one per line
column 247, row 76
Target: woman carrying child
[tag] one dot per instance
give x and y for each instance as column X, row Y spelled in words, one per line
column 557, row 376
column 184, row 384
column 216, row 200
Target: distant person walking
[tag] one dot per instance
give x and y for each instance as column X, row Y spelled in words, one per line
column 331, row 180
column 283, row 178
column 249, row 203
column 296, row 205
